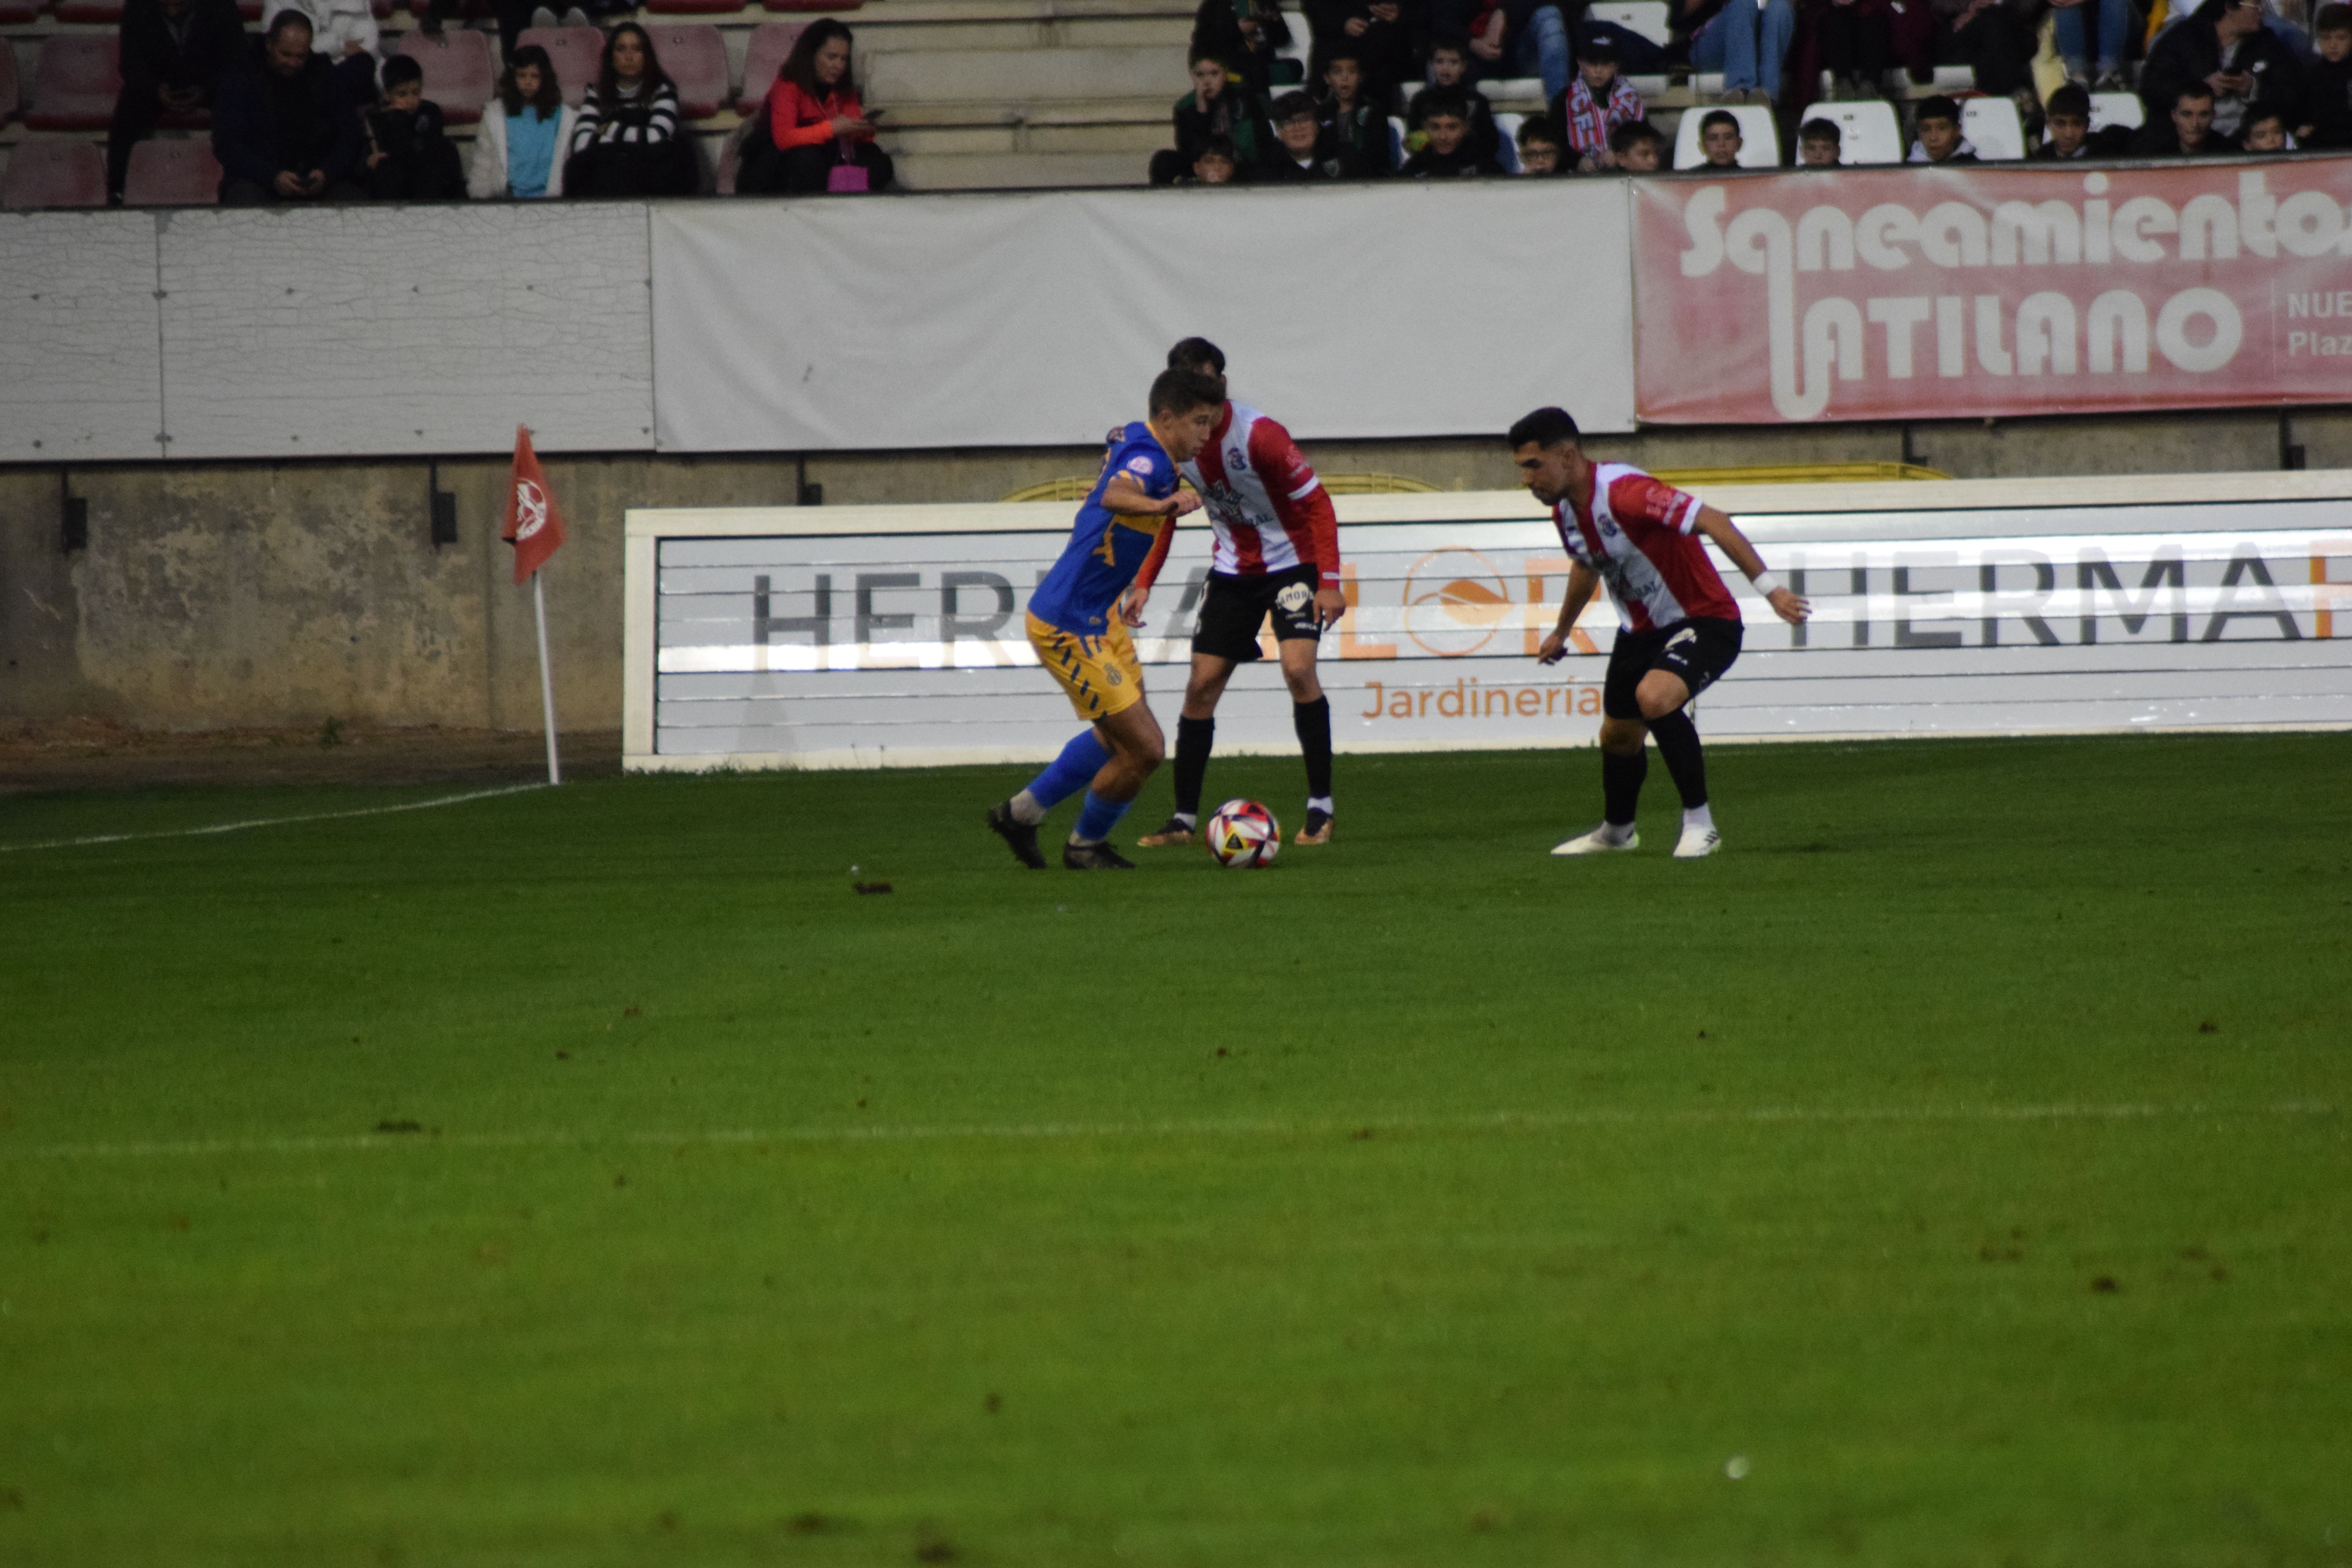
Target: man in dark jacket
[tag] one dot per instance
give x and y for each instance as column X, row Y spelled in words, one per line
column 2185, row 132
column 2223, row 46
column 285, row 129
column 173, row 55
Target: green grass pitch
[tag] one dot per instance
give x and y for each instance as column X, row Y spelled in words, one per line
column 1953, row 1172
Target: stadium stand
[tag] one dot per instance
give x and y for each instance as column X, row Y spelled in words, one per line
column 173, row 174
column 695, row 56
column 1871, row 132
column 459, row 75
column 770, row 45
column 1759, row 138
column 9, row 100
column 106, row 12
column 18, row 12
column 575, row 51
column 693, row 8
column 1646, row 17
column 1992, row 127
column 55, row 173
column 2122, row 109
column 812, row 5
column 75, row 84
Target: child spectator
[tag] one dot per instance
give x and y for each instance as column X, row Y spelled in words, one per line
column 1217, row 164
column 821, row 136
column 1820, row 144
column 2328, row 82
column 1937, row 129
column 1298, row 155
column 2067, row 118
column 1446, row 151
column 171, row 53
column 409, row 158
column 1597, row 102
column 518, row 147
column 1540, row 151
column 2265, row 131
column 1449, row 69
column 1382, row 36
column 1352, row 126
column 1512, row 37
column 625, row 142
column 284, row 126
column 1216, row 107
column 1638, row 148
column 1750, row 45
column 1719, row 140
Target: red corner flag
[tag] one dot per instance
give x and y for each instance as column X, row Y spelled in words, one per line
column 533, row 524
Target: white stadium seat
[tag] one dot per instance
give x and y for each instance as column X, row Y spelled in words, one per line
column 1507, row 137
column 1646, row 17
column 1759, row 139
column 1868, row 131
column 1651, row 87
column 1992, row 128
column 2122, row 109
column 1299, row 43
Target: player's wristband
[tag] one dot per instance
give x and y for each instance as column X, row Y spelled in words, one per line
column 1765, row 583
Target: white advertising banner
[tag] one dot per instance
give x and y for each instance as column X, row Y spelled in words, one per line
column 892, row 635
column 1011, row 320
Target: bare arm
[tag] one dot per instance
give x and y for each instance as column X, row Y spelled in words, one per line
column 1727, row 538
column 1127, row 498
column 1581, row 581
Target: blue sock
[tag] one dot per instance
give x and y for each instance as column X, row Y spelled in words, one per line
column 1071, row 772
column 1098, row 818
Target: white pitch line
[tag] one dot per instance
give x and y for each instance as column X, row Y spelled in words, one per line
column 1499, row 1122
column 270, row 821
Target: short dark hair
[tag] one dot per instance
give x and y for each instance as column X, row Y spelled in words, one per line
column 1349, row 53
column 1182, row 391
column 1716, row 117
column 1535, row 130
column 2189, row 90
column 1450, row 101
column 1197, row 354
column 400, row 70
column 1292, row 105
column 1822, row 131
column 2258, row 112
column 1211, row 55
column 1544, row 427
column 1622, row 140
column 1459, row 46
column 1218, row 147
column 1601, row 49
column 2073, row 99
column 2333, row 18
column 284, row 19
column 1937, row 108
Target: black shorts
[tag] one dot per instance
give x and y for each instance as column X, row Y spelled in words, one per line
column 1234, row 608
column 1699, row 650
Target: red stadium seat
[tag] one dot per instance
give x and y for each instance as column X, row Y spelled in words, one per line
column 8, row 102
column 813, row 5
column 458, row 72
column 771, row 45
column 43, row 173
column 695, row 56
column 694, row 7
column 76, row 84
column 250, row 9
column 578, row 53
column 106, row 11
column 16, row 12
column 171, row 174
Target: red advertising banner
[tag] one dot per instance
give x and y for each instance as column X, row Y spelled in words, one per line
column 1935, row 293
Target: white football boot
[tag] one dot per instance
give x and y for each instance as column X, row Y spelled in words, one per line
column 1698, row 841
column 1597, row 843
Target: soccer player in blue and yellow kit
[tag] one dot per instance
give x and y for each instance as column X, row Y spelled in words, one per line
column 1078, row 619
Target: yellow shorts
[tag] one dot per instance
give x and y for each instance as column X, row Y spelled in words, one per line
column 1102, row 674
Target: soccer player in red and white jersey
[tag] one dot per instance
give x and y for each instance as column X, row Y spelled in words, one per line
column 1276, row 553
column 1678, row 626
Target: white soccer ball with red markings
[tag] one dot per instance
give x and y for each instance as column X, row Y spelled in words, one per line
column 1243, row 834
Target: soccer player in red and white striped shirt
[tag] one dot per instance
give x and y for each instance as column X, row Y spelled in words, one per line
column 1276, row 554
column 1678, row 626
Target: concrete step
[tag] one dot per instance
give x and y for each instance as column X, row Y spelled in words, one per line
column 1005, row 33
column 1013, row 171
column 1132, row 142
column 1024, row 76
column 1065, row 111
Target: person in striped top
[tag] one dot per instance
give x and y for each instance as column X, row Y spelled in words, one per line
column 625, row 141
column 1597, row 102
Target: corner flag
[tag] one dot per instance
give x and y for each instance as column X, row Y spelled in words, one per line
column 534, row 525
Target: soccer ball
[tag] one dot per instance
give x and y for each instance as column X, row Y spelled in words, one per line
column 1243, row 834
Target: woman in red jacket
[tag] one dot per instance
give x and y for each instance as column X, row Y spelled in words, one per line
column 824, row 140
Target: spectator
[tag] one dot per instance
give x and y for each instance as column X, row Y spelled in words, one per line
column 284, row 126
column 1854, row 41
column 1540, row 148
column 345, row 32
column 409, row 158
column 1216, row 107
column 2112, row 22
column 2328, row 82
column 1937, row 129
column 2265, row 131
column 1638, row 148
column 518, row 146
column 1248, row 35
column 1385, row 36
column 1356, row 130
column 2223, row 46
column 1994, row 38
column 1298, row 155
column 1447, row 153
column 1218, row 163
column 1750, row 45
column 1820, row 144
column 2068, row 121
column 814, row 133
column 1597, row 102
column 2186, row 130
column 173, row 53
column 1719, row 140
column 1511, row 37
column 1449, row 67
column 625, row 141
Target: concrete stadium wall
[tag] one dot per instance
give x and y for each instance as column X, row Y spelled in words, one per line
column 220, row 594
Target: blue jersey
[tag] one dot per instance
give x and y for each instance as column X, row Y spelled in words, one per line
column 1106, row 549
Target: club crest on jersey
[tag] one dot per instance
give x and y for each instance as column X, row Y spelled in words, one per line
column 1138, row 464
column 1295, row 598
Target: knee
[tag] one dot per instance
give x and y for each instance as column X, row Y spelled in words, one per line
column 1623, row 737
column 1148, row 756
column 1303, row 686
column 1658, row 701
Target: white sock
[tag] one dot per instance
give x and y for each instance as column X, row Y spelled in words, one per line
column 1321, row 803
column 1189, row 818
column 1027, row 809
column 1698, row 817
column 1613, row 832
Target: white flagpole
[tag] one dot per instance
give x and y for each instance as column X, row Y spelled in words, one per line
column 546, row 677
